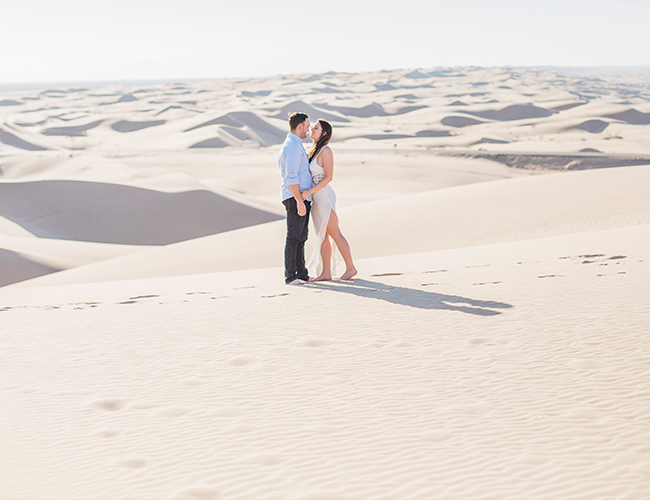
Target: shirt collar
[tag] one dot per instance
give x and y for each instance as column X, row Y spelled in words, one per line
column 294, row 137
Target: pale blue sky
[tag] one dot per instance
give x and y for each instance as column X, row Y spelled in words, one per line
column 86, row 40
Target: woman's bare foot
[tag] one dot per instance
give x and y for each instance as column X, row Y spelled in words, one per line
column 322, row 277
column 349, row 274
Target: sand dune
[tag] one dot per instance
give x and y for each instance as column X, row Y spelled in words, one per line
column 593, row 126
column 558, row 161
column 459, row 121
column 266, row 132
column 368, row 111
column 10, row 228
column 128, row 126
column 18, row 267
column 511, row 113
column 311, row 78
column 214, row 142
column 472, row 215
column 488, row 140
column 253, row 128
column 432, row 133
column 632, row 116
column 113, row 213
column 571, row 105
column 72, row 131
column 12, row 140
column 302, row 107
column 556, row 104
column 24, row 258
column 259, row 93
column 221, row 120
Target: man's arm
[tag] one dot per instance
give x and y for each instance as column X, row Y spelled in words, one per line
column 295, row 191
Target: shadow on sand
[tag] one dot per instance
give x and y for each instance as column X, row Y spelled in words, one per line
column 411, row 297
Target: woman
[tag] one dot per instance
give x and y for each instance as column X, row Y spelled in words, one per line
column 323, row 208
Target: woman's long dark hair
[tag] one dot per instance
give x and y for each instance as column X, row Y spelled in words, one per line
column 322, row 140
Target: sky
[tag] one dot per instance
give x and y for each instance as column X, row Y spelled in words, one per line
column 117, row 40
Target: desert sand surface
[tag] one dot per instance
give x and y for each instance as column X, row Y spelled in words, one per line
column 493, row 345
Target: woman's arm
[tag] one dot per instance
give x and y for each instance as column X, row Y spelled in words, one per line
column 327, row 159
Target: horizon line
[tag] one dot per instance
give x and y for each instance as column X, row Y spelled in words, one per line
column 43, row 84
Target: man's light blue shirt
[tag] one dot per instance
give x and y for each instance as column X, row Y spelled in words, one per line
column 294, row 166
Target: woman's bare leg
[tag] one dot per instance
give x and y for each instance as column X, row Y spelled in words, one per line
column 343, row 246
column 326, row 256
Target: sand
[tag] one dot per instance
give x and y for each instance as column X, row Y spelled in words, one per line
column 493, row 344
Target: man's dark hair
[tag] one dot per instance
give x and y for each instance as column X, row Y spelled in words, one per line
column 296, row 119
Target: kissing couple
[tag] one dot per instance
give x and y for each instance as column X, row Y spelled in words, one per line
column 305, row 191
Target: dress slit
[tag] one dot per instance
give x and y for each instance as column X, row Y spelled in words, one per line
column 323, row 203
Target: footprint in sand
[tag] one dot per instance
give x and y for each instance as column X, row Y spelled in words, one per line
column 109, row 404
column 315, row 342
column 144, row 297
column 243, row 361
column 80, row 305
column 272, row 296
column 387, row 274
column 107, row 433
column 592, row 258
column 199, row 493
column 193, row 382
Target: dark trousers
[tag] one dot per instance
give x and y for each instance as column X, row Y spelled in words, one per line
column 294, row 248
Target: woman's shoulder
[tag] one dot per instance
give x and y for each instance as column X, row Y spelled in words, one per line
column 326, row 151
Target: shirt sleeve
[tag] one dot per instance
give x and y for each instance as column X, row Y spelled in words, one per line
column 292, row 159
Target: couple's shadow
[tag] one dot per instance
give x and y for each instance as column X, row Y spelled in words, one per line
column 411, row 297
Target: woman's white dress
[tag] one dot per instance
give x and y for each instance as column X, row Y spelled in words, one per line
column 323, row 202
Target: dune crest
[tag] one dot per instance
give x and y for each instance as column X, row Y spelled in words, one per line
column 14, row 141
column 98, row 212
column 511, row 113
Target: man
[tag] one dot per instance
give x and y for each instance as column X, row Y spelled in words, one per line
column 294, row 169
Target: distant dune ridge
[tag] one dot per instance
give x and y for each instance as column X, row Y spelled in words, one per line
column 493, row 344
column 523, row 107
